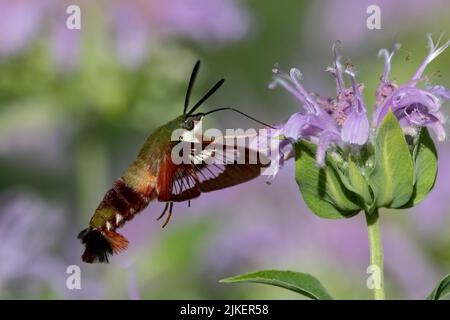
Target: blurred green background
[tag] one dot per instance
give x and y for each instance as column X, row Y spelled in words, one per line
column 76, row 105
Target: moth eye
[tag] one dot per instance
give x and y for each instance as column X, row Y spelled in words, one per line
column 188, row 125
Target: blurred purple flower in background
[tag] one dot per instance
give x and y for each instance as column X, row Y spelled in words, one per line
column 410, row 268
column 138, row 24
column 241, row 245
column 25, row 245
column 31, row 231
column 65, row 44
column 346, row 19
column 20, row 21
column 204, row 20
column 132, row 30
column 132, row 26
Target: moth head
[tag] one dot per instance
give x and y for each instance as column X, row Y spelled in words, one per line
column 191, row 122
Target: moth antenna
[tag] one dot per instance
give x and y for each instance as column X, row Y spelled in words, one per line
column 100, row 245
column 191, row 85
column 206, row 96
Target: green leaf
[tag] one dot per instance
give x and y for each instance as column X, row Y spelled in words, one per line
column 441, row 290
column 302, row 283
column 322, row 188
column 425, row 165
column 392, row 179
column 359, row 183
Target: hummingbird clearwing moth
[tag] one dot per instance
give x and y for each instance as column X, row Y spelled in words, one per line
column 153, row 176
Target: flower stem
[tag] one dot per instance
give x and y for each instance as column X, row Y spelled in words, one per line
column 376, row 253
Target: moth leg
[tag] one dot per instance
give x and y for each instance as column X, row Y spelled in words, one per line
column 169, row 216
column 164, row 212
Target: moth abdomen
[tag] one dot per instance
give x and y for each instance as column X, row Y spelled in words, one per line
column 118, row 206
column 101, row 244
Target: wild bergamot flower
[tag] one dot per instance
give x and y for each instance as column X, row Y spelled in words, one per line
column 344, row 165
column 342, row 121
column 414, row 107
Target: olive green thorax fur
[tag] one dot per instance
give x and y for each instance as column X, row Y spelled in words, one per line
column 155, row 148
column 159, row 142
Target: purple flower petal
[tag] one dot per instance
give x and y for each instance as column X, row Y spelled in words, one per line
column 441, row 91
column 434, row 52
column 387, row 60
column 326, row 138
column 297, row 123
column 406, row 96
column 19, row 24
column 356, row 128
column 438, row 129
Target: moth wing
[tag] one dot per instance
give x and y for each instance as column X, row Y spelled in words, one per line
column 177, row 182
column 214, row 165
column 226, row 163
column 232, row 165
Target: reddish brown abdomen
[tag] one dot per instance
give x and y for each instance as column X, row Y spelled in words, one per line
column 119, row 205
